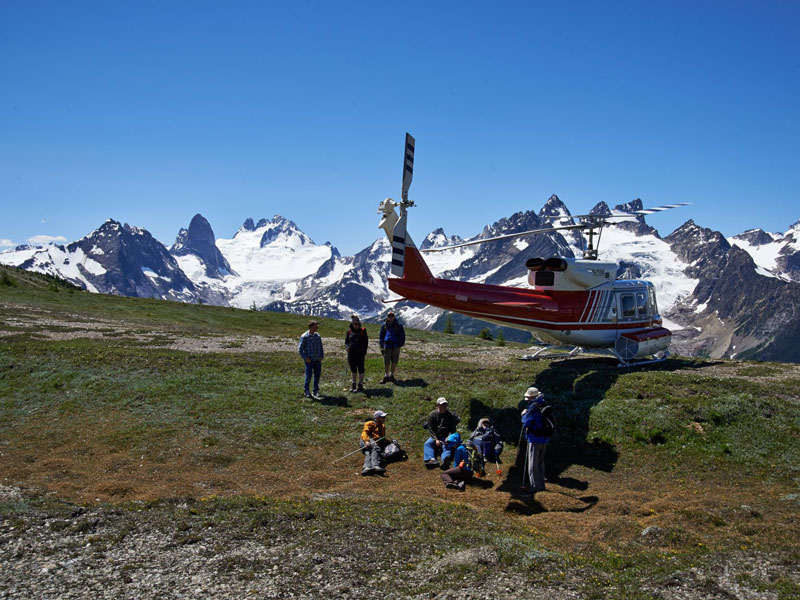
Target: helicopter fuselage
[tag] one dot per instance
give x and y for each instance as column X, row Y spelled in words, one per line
column 592, row 317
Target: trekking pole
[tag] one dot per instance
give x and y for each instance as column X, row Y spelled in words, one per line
column 354, row 451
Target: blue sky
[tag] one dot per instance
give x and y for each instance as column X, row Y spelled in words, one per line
column 149, row 112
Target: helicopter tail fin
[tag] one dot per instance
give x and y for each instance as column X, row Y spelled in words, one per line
column 407, row 262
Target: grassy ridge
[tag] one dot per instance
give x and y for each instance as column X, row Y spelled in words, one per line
column 122, row 398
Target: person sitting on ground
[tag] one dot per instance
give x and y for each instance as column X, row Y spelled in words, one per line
column 373, row 440
column 457, row 476
column 356, row 342
column 488, row 441
column 440, row 423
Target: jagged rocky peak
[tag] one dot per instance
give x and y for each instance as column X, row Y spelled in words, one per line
column 198, row 237
column 248, row 225
column 554, row 207
column 755, row 237
column 438, row 238
column 600, row 209
column 519, row 221
column 199, row 241
column 280, row 226
column 690, row 242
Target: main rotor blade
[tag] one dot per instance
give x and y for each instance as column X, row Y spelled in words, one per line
column 505, row 237
column 633, row 213
column 408, row 166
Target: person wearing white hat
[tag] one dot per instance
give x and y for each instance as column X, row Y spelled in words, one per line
column 538, row 425
column 440, row 423
column 373, row 440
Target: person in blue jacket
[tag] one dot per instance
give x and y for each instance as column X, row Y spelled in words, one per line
column 391, row 339
column 536, row 432
column 457, row 476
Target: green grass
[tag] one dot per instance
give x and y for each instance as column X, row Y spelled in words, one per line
column 671, row 422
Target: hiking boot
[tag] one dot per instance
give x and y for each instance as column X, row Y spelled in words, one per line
column 306, row 395
column 379, row 470
column 367, row 471
column 461, row 485
column 392, row 379
column 431, row 462
column 316, row 396
column 385, row 379
column 360, row 387
column 353, row 388
column 452, row 485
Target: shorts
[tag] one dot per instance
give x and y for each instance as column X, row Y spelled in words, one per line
column 391, row 355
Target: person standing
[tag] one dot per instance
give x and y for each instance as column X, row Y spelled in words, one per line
column 440, row 423
column 538, row 426
column 356, row 342
column 372, row 442
column 312, row 353
column 457, row 476
column 392, row 338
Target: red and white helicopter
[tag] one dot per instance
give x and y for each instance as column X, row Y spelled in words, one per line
column 577, row 303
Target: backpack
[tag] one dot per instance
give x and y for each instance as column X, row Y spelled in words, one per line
column 548, row 421
column 392, row 452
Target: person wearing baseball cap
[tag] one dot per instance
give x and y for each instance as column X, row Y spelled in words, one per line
column 440, row 423
column 373, row 441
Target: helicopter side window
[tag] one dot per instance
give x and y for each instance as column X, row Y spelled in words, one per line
column 628, row 306
column 651, row 298
column 641, row 304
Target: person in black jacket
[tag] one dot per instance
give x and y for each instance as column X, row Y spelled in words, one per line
column 391, row 339
column 356, row 342
column 440, row 423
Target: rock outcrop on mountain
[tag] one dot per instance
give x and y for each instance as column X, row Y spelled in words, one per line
column 116, row 259
column 199, row 240
column 734, row 311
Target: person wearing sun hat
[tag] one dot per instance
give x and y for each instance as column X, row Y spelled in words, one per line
column 373, row 440
column 537, row 424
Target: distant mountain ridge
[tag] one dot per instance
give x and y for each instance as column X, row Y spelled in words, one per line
column 722, row 297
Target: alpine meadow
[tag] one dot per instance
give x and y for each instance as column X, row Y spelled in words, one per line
column 151, row 448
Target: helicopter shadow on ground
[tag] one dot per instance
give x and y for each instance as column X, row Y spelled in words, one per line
column 572, row 387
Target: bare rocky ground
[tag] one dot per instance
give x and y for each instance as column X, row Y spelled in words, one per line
column 173, row 549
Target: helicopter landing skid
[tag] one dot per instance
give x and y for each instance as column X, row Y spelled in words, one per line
column 551, row 352
column 554, row 352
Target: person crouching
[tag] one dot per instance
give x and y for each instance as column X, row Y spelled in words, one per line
column 456, row 477
column 372, row 442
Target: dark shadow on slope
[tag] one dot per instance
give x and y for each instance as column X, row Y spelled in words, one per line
column 333, row 401
column 420, row 383
column 573, row 387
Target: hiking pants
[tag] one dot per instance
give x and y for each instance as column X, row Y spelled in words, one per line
column 429, row 450
column 372, row 456
column 536, row 465
column 456, row 474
